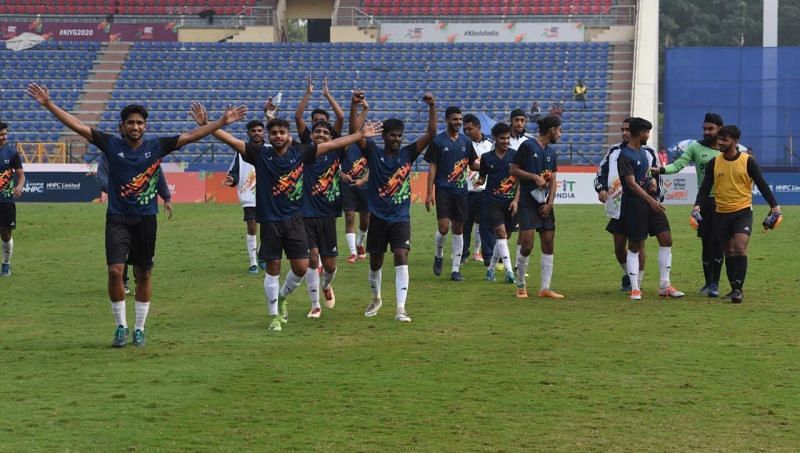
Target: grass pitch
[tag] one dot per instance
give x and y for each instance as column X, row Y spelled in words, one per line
column 477, row 369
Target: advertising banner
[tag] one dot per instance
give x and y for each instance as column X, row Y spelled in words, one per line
column 91, row 31
column 186, row 187
column 59, row 187
column 785, row 187
column 482, row 32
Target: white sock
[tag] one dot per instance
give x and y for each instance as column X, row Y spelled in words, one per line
column 546, row 271
column 327, row 278
column 362, row 236
column 8, row 250
column 439, row 243
column 351, row 242
column 142, row 308
column 496, row 254
column 312, row 282
column 519, row 250
column 477, row 238
column 501, row 250
column 522, row 268
column 291, row 283
column 375, row 283
column 664, row 265
column 633, row 269
column 401, row 286
column 624, row 267
column 272, row 285
column 458, row 250
column 641, row 277
column 118, row 310
column 252, row 249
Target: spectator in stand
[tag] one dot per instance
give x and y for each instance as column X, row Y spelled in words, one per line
column 556, row 109
column 536, row 112
column 663, row 156
column 579, row 92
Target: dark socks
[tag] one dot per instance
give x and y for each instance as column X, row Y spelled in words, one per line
column 736, row 267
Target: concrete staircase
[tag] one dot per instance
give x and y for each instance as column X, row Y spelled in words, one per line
column 96, row 93
column 620, row 89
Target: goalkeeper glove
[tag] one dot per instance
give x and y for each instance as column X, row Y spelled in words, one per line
column 773, row 220
column 695, row 219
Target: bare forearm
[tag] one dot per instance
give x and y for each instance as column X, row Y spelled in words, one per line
column 432, row 177
column 69, row 120
column 551, row 194
column 230, row 140
column 341, row 142
column 200, row 132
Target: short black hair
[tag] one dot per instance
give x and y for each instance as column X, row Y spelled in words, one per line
column 277, row 122
column 132, row 109
column 547, row 123
column 320, row 112
column 3, row 126
column 452, row 110
column 639, row 124
column 324, row 124
column 500, row 129
column 628, row 120
column 254, row 123
column 730, row 131
column 713, row 118
column 518, row 112
column 472, row 119
column 393, row 124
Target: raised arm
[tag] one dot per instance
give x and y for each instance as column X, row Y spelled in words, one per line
column 301, row 107
column 357, row 119
column 200, row 116
column 367, row 131
column 231, row 115
column 270, row 110
column 42, row 96
column 337, row 110
column 430, row 132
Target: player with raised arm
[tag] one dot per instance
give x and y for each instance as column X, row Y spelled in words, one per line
column 641, row 211
column 389, row 190
column 355, row 174
column 535, row 165
column 243, row 176
column 730, row 177
column 450, row 155
column 701, row 153
column 10, row 169
column 500, row 198
column 133, row 173
column 279, row 193
column 318, row 114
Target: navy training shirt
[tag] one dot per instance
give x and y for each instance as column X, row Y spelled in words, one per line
column 9, row 163
column 453, row 158
column 279, row 179
column 531, row 157
column 500, row 185
column 389, row 185
column 322, row 196
column 133, row 174
column 636, row 163
column 355, row 165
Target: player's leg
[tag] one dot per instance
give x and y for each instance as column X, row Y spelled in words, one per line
column 525, row 239
column 328, row 251
column 294, row 243
column 473, row 210
column 636, row 222
column 141, row 256
column 400, row 241
column 144, row 292
column 312, row 282
column 547, row 243
column 376, row 247
column 118, row 238
column 8, row 221
column 443, row 214
column 458, row 216
column 251, row 239
column 659, row 226
column 363, row 225
column 270, row 252
column 350, row 234
column 742, row 225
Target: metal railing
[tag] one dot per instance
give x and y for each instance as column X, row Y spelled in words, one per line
column 351, row 15
column 43, row 153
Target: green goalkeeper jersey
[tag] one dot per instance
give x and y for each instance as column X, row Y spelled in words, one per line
column 698, row 153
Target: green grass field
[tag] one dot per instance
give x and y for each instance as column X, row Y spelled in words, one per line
column 477, row 369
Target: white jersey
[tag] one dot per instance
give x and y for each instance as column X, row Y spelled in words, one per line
column 481, row 147
column 517, row 141
column 246, row 181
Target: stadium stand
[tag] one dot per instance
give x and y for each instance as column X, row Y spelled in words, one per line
column 388, row 8
column 134, row 7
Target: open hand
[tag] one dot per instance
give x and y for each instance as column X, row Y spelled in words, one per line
column 372, row 128
column 233, row 114
column 309, row 85
column 325, row 91
column 199, row 113
column 38, row 92
column 168, row 209
column 429, row 201
column 270, row 109
column 17, row 191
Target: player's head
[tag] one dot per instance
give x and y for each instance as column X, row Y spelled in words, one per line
column 502, row 136
column 319, row 115
column 472, row 127
column 550, row 127
column 278, row 130
column 626, row 129
column 453, row 118
column 711, row 124
column 255, row 132
column 392, row 134
column 133, row 121
column 3, row 133
column 518, row 121
column 321, row 132
column 640, row 130
column 728, row 138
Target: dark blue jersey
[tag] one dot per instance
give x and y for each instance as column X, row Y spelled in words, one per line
column 279, row 179
column 531, row 157
column 9, row 163
column 637, row 163
column 453, row 158
column 321, row 194
column 389, row 185
column 133, row 174
column 354, row 165
column 500, row 185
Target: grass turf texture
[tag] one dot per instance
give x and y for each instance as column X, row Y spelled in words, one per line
column 477, row 369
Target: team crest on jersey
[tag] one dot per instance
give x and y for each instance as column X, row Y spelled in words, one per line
column 7, row 161
column 446, row 149
column 147, row 155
